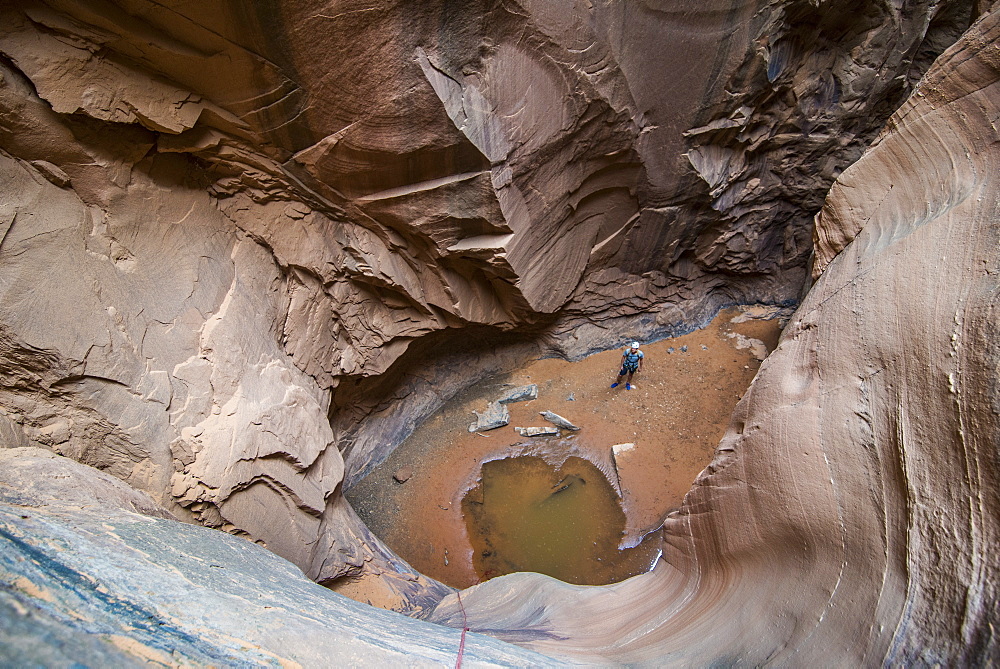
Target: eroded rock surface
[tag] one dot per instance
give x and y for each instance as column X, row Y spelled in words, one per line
column 244, row 247
column 97, row 574
column 850, row 514
column 220, row 219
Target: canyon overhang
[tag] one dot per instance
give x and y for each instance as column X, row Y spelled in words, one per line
column 243, row 247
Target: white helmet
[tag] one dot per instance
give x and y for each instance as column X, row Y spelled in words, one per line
column 635, row 344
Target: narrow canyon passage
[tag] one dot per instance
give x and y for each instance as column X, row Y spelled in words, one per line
column 675, row 415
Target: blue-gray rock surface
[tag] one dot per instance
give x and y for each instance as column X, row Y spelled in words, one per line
column 94, row 573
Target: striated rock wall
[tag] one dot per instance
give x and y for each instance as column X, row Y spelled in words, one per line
column 850, row 515
column 244, row 246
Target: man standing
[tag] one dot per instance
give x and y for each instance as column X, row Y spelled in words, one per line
column 631, row 363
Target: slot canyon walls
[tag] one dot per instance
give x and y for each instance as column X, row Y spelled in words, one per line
column 850, row 513
column 245, row 246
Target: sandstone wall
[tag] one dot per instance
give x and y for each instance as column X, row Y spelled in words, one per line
column 96, row 574
column 235, row 237
column 850, row 515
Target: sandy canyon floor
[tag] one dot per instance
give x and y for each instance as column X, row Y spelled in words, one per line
column 675, row 416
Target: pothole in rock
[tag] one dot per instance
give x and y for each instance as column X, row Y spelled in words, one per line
column 666, row 430
column 564, row 520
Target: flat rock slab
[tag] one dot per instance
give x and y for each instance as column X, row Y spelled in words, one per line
column 558, row 420
column 520, row 394
column 620, row 451
column 496, row 415
column 537, row 431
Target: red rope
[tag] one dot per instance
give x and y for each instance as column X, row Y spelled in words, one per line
column 465, row 628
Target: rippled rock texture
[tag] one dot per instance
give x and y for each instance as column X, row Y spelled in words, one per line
column 850, row 514
column 245, row 246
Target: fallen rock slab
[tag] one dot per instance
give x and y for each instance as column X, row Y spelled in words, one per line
column 520, row 394
column 496, row 415
column 558, row 420
column 537, row 431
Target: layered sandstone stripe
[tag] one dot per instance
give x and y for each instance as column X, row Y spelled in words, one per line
column 850, row 515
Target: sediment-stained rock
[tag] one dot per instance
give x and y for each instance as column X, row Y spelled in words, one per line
column 618, row 453
column 850, row 513
column 497, row 414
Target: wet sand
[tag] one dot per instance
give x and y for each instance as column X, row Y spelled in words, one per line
column 675, row 415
